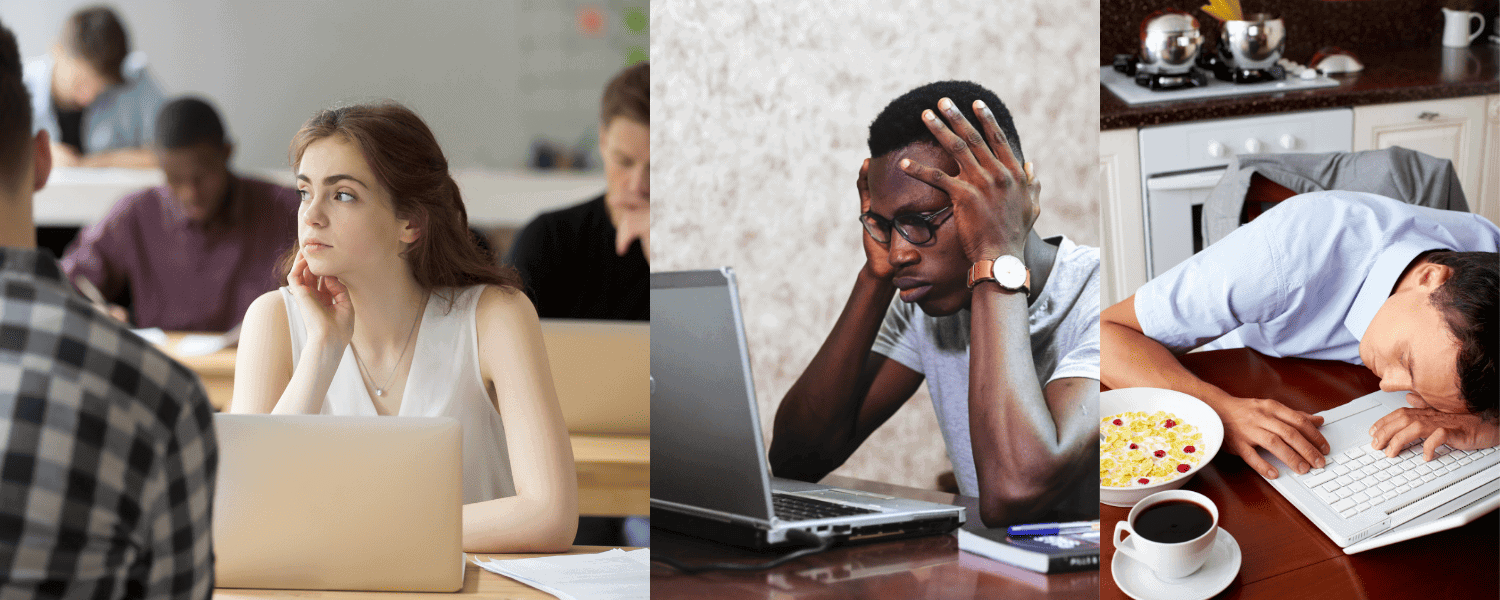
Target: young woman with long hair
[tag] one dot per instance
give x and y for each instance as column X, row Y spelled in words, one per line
column 391, row 308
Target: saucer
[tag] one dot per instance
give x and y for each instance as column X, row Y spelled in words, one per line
column 1139, row 582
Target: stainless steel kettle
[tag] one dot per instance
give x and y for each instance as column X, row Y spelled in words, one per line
column 1256, row 42
column 1170, row 41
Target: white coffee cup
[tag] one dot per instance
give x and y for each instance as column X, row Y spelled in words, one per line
column 1457, row 32
column 1169, row 561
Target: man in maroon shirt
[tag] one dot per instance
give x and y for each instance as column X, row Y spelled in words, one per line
column 194, row 253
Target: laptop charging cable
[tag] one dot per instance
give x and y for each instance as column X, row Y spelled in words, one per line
column 815, row 545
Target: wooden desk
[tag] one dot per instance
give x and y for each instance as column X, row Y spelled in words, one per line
column 614, row 474
column 215, row 370
column 926, row 567
column 614, row 471
column 1284, row 554
column 478, row 583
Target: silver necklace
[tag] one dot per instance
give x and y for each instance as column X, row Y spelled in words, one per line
column 380, row 389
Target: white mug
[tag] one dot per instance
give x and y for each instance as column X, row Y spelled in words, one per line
column 1456, row 30
column 1169, row 561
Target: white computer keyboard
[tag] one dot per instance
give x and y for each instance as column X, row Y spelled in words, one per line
column 1362, row 478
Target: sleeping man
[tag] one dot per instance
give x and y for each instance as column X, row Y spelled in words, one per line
column 1407, row 291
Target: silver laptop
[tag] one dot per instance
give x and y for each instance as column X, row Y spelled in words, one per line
column 1363, row 500
column 709, row 476
column 312, row 502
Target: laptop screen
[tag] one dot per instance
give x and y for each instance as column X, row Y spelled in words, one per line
column 706, row 446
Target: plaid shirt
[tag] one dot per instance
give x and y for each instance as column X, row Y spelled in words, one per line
column 108, row 447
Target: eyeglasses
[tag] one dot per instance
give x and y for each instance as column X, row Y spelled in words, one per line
column 916, row 229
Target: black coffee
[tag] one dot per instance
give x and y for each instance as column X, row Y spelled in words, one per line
column 1173, row 521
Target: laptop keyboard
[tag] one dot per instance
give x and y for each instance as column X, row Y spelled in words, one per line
column 798, row 508
column 1361, row 478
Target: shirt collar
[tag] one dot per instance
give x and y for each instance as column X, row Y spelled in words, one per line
column 1388, row 267
column 32, row 263
column 227, row 215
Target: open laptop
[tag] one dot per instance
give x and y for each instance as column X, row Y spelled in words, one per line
column 709, row 476
column 1363, row 500
column 316, row 502
column 601, row 370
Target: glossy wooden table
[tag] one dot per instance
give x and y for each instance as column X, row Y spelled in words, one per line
column 478, row 583
column 926, row 567
column 614, row 471
column 1284, row 554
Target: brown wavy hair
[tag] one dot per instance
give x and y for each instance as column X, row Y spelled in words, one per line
column 406, row 159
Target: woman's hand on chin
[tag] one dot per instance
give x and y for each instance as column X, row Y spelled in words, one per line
column 325, row 305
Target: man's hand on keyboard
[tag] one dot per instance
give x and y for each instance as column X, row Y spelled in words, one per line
column 1459, row 431
column 1291, row 435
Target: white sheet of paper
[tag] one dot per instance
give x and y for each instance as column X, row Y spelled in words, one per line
column 154, row 335
column 198, row 344
column 612, row 575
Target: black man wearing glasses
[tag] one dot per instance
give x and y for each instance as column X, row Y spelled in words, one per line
column 1002, row 325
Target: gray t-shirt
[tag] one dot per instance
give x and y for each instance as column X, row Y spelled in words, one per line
column 1064, row 343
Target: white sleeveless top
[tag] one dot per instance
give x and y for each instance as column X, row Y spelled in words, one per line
column 444, row 382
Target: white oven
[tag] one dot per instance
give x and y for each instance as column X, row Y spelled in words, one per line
column 1180, row 163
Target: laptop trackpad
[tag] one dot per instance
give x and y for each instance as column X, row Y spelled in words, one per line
column 1349, row 424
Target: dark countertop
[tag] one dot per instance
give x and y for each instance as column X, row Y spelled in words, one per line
column 1389, row 77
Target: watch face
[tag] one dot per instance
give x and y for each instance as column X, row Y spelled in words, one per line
column 1010, row 272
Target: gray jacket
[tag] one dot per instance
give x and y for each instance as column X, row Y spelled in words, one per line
column 123, row 116
column 1406, row 175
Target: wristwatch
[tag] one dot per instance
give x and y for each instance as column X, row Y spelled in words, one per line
column 1007, row 271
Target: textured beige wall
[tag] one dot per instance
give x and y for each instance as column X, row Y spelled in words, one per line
column 760, row 113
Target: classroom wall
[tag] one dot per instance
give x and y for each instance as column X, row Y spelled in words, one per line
column 488, row 76
column 762, row 119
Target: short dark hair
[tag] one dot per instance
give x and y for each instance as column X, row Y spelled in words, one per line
column 15, row 111
column 96, row 35
column 188, row 121
column 900, row 124
column 1468, row 303
column 628, row 95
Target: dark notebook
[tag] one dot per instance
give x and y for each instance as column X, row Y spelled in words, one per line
column 1041, row 553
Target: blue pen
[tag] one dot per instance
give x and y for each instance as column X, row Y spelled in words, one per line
column 1051, row 528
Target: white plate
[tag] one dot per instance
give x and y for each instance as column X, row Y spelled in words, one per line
column 1141, row 583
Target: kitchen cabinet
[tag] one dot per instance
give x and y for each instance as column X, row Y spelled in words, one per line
column 1123, row 241
column 1451, row 128
column 1488, row 201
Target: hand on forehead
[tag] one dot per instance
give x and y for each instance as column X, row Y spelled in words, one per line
column 891, row 189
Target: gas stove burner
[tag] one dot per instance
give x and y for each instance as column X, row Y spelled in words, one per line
column 1275, row 73
column 1224, row 70
column 1127, row 64
column 1161, row 81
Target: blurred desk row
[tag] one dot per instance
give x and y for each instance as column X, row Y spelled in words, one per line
column 78, row 197
column 611, row 442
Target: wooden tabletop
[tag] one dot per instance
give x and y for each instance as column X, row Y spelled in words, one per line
column 478, row 583
column 1284, row 554
column 925, row 567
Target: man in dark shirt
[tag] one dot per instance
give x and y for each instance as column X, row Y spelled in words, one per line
column 107, row 447
column 590, row 261
column 194, row 253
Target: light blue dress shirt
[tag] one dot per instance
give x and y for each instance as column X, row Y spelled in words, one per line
column 123, row 116
column 1305, row 278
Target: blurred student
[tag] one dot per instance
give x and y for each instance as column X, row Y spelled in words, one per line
column 591, row 261
column 194, row 253
column 383, row 234
column 93, row 96
column 1001, row 324
column 107, row 448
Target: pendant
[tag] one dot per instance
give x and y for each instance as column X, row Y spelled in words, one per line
column 379, row 392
